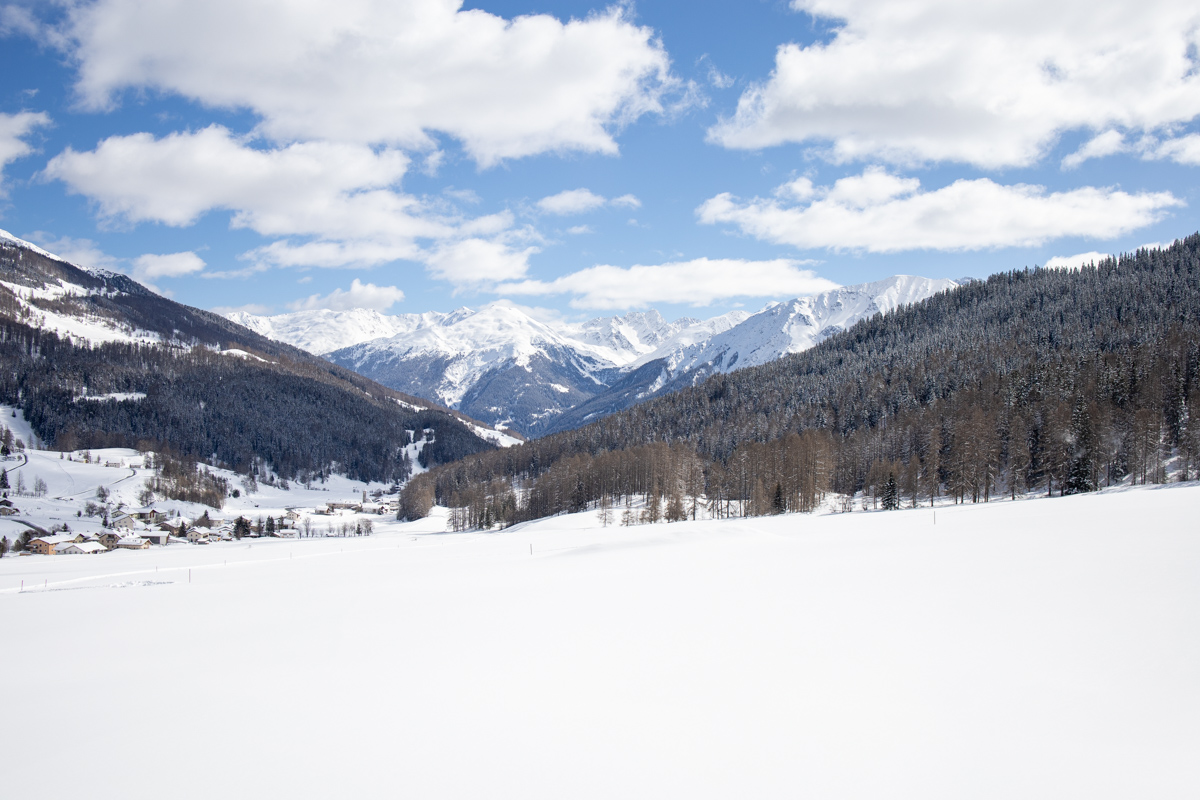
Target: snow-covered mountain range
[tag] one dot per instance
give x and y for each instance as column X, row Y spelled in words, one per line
column 509, row 367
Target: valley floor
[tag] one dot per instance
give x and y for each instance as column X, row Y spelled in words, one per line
column 1046, row 648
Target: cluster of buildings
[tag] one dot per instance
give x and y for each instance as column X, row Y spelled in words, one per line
column 140, row 528
column 64, row 544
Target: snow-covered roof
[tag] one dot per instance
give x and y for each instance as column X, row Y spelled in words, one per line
column 133, row 540
column 56, row 539
column 82, row 547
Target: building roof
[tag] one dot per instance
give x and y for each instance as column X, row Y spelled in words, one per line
column 56, row 539
column 133, row 541
column 82, row 547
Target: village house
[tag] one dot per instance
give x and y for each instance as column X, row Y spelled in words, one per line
column 80, row 548
column 149, row 515
column 45, row 545
column 197, row 534
column 123, row 522
column 109, row 539
column 156, row 537
column 133, row 543
column 7, row 509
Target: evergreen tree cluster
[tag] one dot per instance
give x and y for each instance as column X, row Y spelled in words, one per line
column 1038, row 379
column 231, row 412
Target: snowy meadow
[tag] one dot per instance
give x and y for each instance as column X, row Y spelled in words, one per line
column 1044, row 648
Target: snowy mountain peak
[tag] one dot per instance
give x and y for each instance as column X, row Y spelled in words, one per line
column 508, row 365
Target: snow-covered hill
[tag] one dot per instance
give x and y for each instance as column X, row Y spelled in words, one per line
column 55, row 310
column 508, row 367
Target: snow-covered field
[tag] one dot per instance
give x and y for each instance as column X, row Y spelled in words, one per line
column 1036, row 649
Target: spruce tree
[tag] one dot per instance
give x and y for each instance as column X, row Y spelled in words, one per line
column 891, row 494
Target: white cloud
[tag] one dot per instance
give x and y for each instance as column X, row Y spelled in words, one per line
column 991, row 83
column 308, row 188
column 1105, row 144
column 14, row 128
column 383, row 71
column 80, row 252
column 340, row 200
column 578, row 201
column 571, row 201
column 1184, row 150
column 577, row 230
column 477, row 262
column 257, row 309
column 626, row 201
column 169, row 265
column 699, row 282
column 1076, row 261
column 881, row 213
column 359, row 295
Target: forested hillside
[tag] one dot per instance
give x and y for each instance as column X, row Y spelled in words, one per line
column 1052, row 380
column 185, row 381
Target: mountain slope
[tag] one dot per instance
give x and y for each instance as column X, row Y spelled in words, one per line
column 96, row 359
column 503, row 365
column 1034, row 380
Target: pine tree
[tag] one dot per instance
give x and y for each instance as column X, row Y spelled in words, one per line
column 241, row 528
column 1083, row 436
column 4, row 480
column 891, row 494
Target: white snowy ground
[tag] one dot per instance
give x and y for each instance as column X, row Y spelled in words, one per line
column 1036, row 649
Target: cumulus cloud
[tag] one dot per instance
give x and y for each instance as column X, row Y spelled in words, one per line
column 311, row 188
column 571, row 201
column 882, row 213
column 578, row 201
column 383, row 71
column 359, row 295
column 990, row 83
column 169, row 265
column 699, row 282
column 80, row 252
column 1076, row 261
column 479, row 262
column 1184, row 149
column 1105, row 144
column 14, row 128
column 337, row 205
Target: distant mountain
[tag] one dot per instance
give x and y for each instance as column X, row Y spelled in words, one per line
column 95, row 359
column 510, row 369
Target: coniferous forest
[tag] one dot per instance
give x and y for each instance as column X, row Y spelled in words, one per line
column 1035, row 380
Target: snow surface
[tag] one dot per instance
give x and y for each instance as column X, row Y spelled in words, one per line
column 1044, row 648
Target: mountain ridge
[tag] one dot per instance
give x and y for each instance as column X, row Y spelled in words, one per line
column 510, row 368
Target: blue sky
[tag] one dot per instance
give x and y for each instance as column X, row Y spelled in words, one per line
column 693, row 157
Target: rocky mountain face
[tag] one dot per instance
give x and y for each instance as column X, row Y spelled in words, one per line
column 502, row 365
